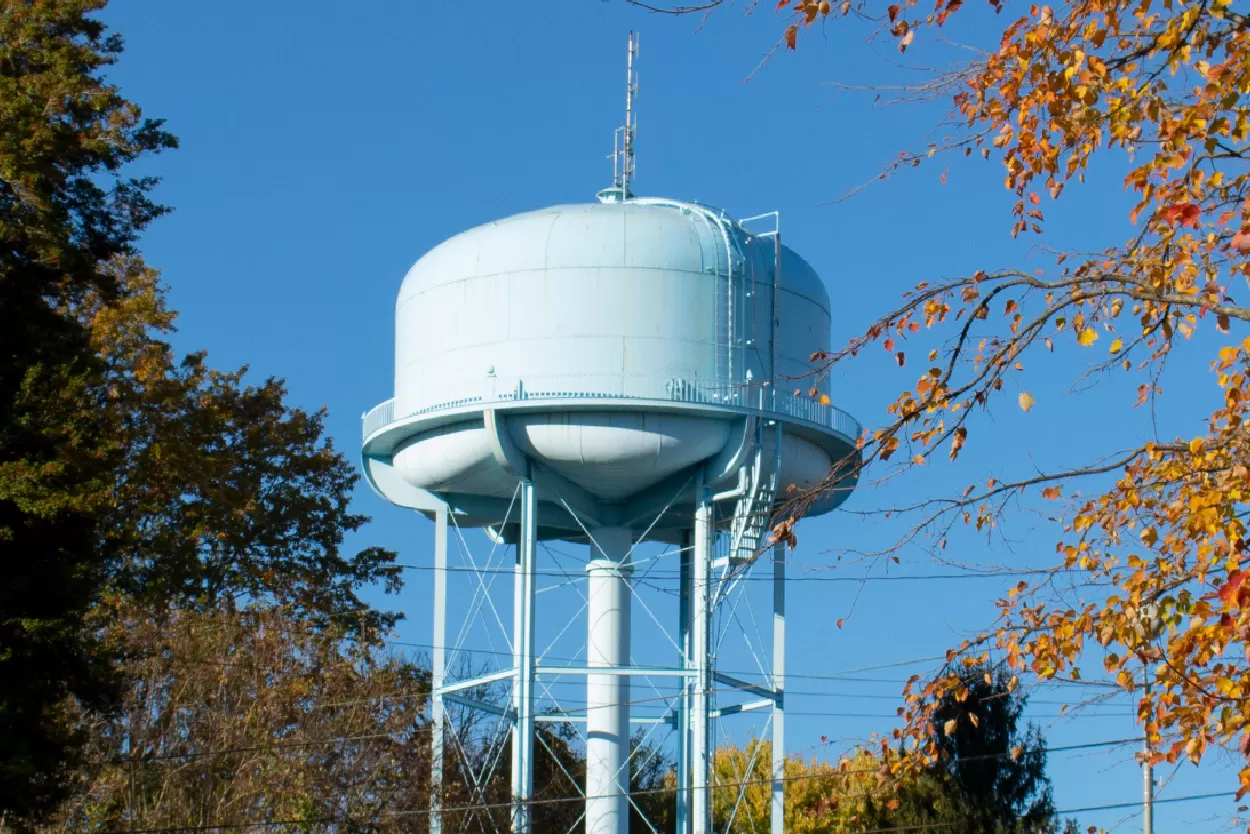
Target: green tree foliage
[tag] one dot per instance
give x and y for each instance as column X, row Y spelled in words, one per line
column 130, row 480
column 996, row 766
column 65, row 212
column 989, row 779
column 223, row 493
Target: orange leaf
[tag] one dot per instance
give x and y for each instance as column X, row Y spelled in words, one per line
column 1050, row 493
column 792, row 36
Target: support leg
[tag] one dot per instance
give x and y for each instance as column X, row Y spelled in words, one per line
column 438, row 670
column 523, row 657
column 700, row 748
column 607, row 695
column 683, row 704
column 777, row 817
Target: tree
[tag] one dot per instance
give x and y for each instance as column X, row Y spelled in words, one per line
column 746, row 771
column 65, row 212
column 223, row 493
column 989, row 776
column 238, row 718
column 994, row 768
column 1152, row 557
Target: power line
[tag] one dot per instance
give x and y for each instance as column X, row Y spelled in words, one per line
column 799, row 578
column 391, row 735
column 487, row 806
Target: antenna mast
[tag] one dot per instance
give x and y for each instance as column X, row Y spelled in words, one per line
column 623, row 152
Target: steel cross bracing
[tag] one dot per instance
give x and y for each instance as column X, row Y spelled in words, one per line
column 714, row 606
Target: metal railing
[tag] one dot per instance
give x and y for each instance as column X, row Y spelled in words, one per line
column 598, row 388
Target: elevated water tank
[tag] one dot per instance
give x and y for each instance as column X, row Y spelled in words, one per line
column 620, row 344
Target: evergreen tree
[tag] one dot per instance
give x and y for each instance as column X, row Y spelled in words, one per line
column 993, row 764
column 65, row 212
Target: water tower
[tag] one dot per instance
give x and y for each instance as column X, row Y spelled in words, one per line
column 626, row 370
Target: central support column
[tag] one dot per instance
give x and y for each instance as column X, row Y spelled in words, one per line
column 523, row 660
column 608, row 600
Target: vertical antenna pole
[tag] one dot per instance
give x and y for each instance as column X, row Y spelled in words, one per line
column 438, row 670
column 631, row 84
column 623, row 137
column 523, row 651
column 700, row 800
column 777, row 819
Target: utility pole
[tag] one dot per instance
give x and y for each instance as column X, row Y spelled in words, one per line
column 1149, row 627
column 1147, row 771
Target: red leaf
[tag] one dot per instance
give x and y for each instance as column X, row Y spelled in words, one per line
column 900, row 358
column 792, row 35
column 1231, row 586
column 893, row 11
column 1186, row 214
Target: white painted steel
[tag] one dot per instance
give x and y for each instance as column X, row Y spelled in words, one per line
column 584, row 303
column 777, row 804
column 701, row 621
column 523, row 649
column 438, row 670
column 608, row 598
column 606, row 357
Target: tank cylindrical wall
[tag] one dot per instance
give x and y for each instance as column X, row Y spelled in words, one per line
column 602, row 299
column 607, row 695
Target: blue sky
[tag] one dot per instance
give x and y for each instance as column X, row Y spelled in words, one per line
column 325, row 147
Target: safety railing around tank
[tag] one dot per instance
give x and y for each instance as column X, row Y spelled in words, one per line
column 375, row 418
column 752, row 396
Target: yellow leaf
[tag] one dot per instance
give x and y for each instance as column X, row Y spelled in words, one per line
column 1088, row 337
column 824, row 399
column 1117, row 346
column 950, row 726
column 1026, row 400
